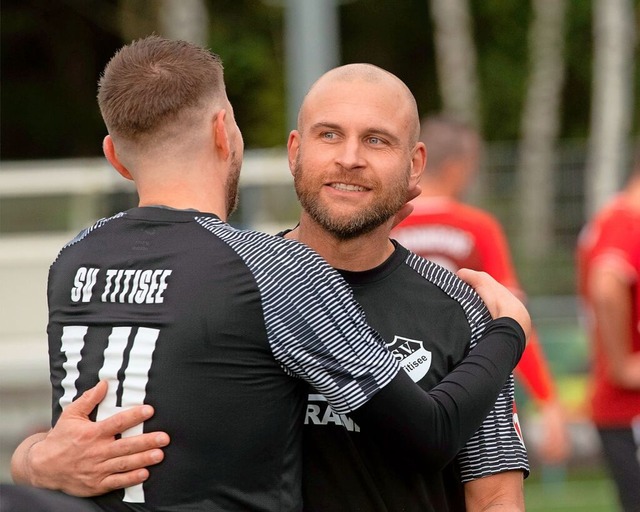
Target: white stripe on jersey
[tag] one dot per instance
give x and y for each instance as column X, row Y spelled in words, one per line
column 316, row 329
column 72, row 342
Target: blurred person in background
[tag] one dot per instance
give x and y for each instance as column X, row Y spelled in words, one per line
column 447, row 231
column 608, row 257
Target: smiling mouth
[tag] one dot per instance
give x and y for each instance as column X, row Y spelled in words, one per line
column 347, row 187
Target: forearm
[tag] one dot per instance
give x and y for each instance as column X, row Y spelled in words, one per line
column 435, row 425
column 501, row 492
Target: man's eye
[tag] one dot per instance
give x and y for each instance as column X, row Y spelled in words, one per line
column 375, row 140
column 329, row 135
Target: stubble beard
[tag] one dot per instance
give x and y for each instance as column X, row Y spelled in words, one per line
column 344, row 227
column 233, row 181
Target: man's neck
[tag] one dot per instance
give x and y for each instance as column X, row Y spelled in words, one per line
column 186, row 185
column 362, row 253
column 182, row 197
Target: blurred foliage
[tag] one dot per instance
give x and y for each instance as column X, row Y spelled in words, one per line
column 52, row 54
column 397, row 36
column 501, row 31
column 247, row 34
column 51, row 58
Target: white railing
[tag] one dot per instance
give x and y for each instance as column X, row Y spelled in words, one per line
column 25, row 257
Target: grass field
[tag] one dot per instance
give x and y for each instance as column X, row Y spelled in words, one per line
column 583, row 490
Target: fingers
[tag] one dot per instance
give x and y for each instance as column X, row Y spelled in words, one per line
column 484, row 286
column 402, row 214
column 88, row 400
column 122, row 480
column 128, row 463
column 84, row 458
column 123, row 464
column 406, row 210
column 148, row 444
column 498, row 299
column 413, row 192
column 129, row 469
column 125, row 420
column 113, row 425
column 472, row 277
column 131, row 453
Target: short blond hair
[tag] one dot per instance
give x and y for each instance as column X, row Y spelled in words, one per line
column 154, row 82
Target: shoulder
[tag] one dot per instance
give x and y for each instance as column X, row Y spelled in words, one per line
column 86, row 232
column 614, row 226
column 261, row 247
column 474, row 308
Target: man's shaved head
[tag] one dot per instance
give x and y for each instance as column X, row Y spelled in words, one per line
column 367, row 73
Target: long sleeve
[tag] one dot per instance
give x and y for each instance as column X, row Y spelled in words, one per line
column 435, row 425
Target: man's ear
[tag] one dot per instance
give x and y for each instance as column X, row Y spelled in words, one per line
column 293, row 145
column 418, row 163
column 110, row 152
column 220, row 134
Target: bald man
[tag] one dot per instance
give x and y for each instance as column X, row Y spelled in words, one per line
column 354, row 152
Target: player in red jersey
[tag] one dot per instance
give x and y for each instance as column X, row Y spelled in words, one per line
column 609, row 284
column 456, row 235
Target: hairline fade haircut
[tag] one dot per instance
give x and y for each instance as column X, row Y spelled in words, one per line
column 368, row 73
column 155, row 82
column 447, row 138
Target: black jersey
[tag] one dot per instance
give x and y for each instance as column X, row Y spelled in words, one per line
column 213, row 327
column 424, row 313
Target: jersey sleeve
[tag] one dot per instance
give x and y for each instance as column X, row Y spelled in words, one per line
column 316, row 329
column 318, row 332
column 433, row 426
column 616, row 245
column 497, row 446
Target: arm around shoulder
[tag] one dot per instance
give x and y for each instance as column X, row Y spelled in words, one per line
column 435, row 425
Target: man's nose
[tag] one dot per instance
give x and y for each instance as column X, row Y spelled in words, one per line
column 350, row 154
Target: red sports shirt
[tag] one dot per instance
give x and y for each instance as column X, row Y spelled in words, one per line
column 611, row 238
column 456, row 235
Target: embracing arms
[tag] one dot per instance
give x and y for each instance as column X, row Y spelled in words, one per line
column 84, row 458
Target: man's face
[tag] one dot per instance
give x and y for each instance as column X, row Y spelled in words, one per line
column 352, row 161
